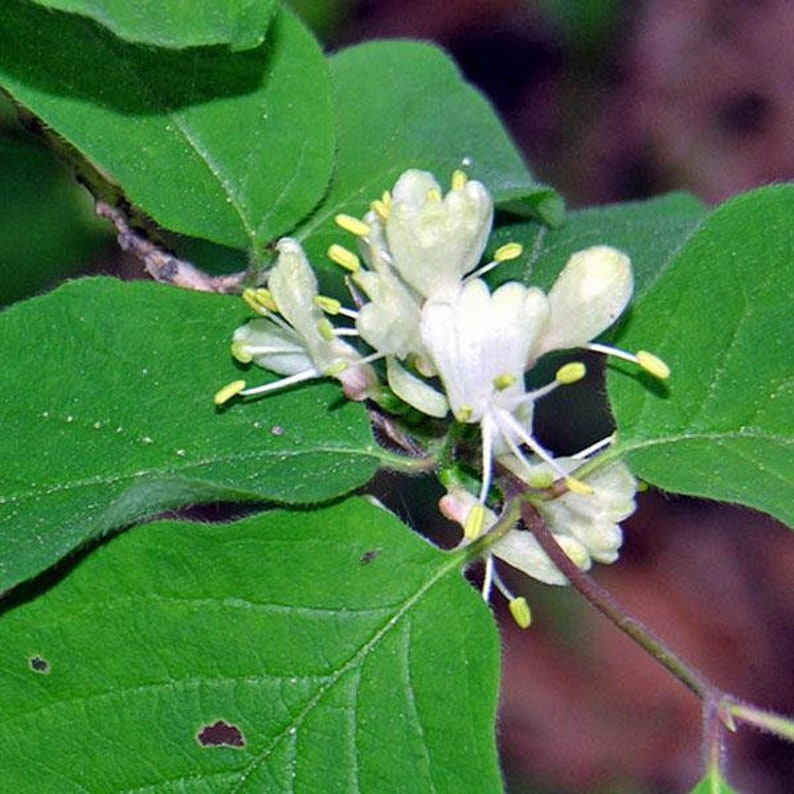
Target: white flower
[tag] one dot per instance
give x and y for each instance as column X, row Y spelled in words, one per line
column 435, row 241
column 479, row 343
column 294, row 338
column 590, row 520
column 590, row 293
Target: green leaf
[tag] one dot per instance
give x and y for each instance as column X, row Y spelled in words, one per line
column 720, row 316
column 343, row 652
column 713, row 783
column 232, row 147
column 47, row 230
column 405, row 105
column 176, row 23
column 650, row 232
column 107, row 415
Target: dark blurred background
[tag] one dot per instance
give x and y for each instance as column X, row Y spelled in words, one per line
column 609, row 101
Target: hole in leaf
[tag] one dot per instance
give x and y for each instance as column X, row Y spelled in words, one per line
column 39, row 665
column 220, row 734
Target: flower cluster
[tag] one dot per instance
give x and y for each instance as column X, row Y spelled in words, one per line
column 452, row 345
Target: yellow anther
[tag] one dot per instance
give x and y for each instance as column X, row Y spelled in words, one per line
column 459, row 179
column 519, row 609
column 227, row 392
column 475, row 522
column 578, row 487
column 433, row 195
column 260, row 299
column 328, row 305
column 381, row 209
column 336, row 369
column 540, row 479
column 464, row 414
column 240, row 352
column 352, row 225
column 570, row 373
column 508, row 251
column 344, row 258
column 326, row 330
column 653, row 364
column 504, row 381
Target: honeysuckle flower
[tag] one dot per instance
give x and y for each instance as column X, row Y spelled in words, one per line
column 435, row 240
column 293, row 337
column 479, row 343
column 591, row 519
column 590, row 293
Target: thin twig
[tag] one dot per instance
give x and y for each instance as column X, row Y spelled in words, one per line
column 162, row 266
column 609, row 606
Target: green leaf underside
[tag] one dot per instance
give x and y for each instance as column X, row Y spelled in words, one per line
column 231, row 147
column 720, row 316
column 349, row 654
column 178, row 23
column 404, row 105
column 107, row 414
column 650, row 232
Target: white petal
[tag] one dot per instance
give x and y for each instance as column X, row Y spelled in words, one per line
column 520, row 549
column 291, row 356
column 478, row 337
column 434, row 243
column 588, row 296
column 415, row 391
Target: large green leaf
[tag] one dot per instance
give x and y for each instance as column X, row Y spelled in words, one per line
column 405, row 105
column 176, row 23
column 232, row 147
column 341, row 652
column 650, row 232
column 720, row 316
column 107, row 415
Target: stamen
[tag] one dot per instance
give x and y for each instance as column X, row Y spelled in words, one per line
column 260, row 300
column 433, row 195
column 459, row 179
column 503, row 254
column 578, row 487
column 653, row 365
column 487, row 432
column 325, row 329
column 502, row 416
column 242, row 352
column 593, row 448
column 570, row 373
column 475, row 522
column 487, row 581
column 227, row 392
column 519, row 609
column 328, row 305
column 352, row 225
column 464, row 414
column 504, row 381
column 508, row 251
column 290, row 380
column 540, row 479
column 344, row 258
column 336, row 369
column 346, row 332
column 381, row 209
column 333, row 307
